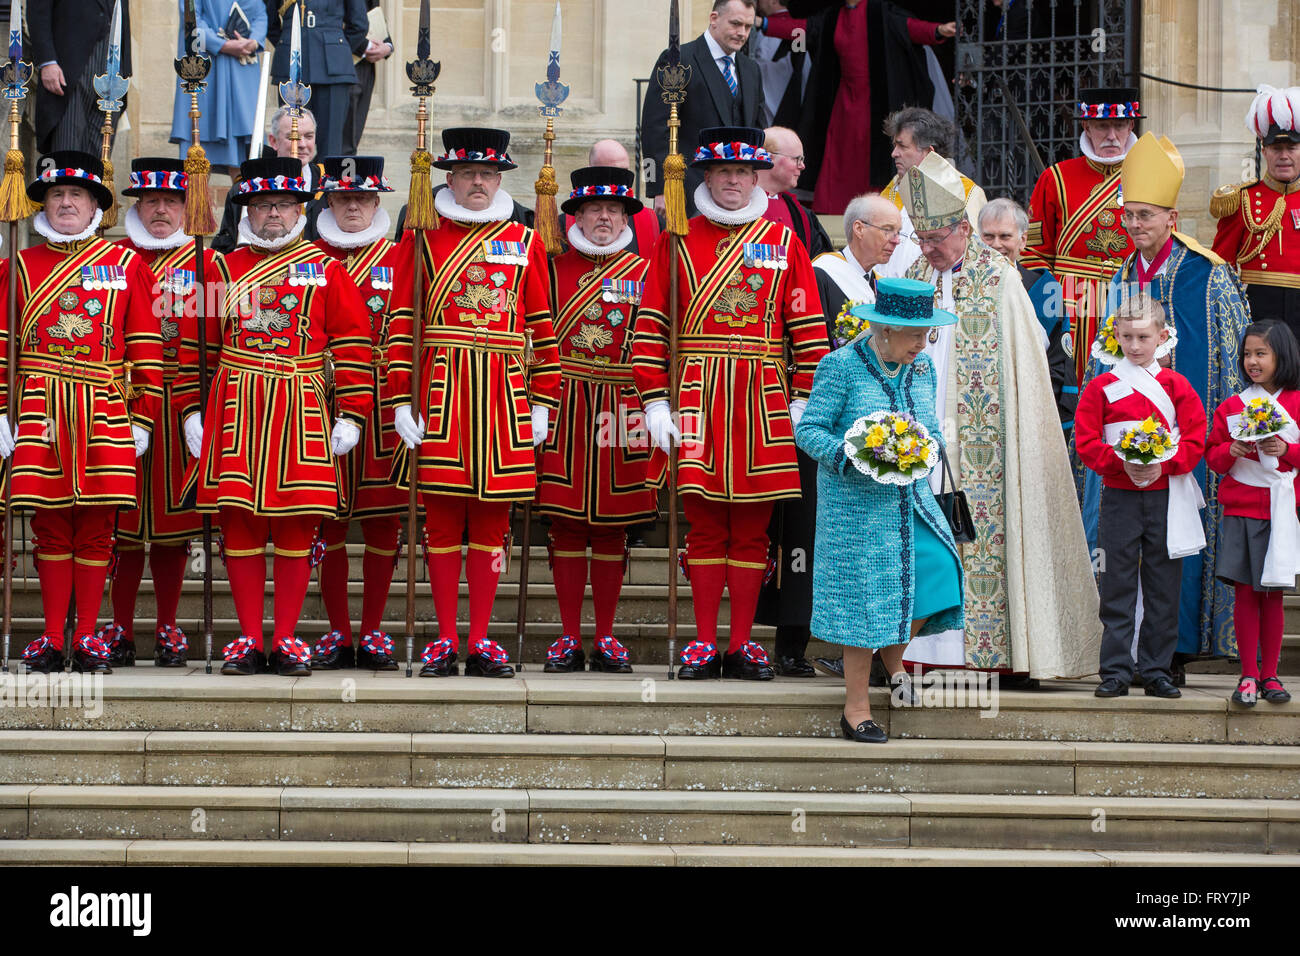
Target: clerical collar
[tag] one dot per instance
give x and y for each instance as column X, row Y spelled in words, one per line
column 1280, row 187
column 588, row 248
column 142, row 238
column 42, row 225
column 1148, row 271
column 262, row 246
column 500, row 209
column 1086, row 149
column 331, row 232
column 743, row 216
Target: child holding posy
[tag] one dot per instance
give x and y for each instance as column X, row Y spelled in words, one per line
column 1150, row 513
column 1259, row 536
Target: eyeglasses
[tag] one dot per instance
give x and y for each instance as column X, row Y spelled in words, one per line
column 797, row 160
column 283, row 207
column 889, row 231
column 1143, row 217
column 937, row 240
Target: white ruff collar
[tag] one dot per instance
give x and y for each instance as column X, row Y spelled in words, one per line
column 502, row 207
column 140, row 235
column 589, row 248
column 331, row 232
column 752, row 212
column 248, row 238
column 42, row 225
column 1086, row 148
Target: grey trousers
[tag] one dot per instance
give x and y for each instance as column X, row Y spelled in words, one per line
column 1131, row 534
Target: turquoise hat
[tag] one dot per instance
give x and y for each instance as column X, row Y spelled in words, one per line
column 903, row 302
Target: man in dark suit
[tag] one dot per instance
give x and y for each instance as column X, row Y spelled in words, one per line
column 332, row 30
column 359, row 99
column 68, row 58
column 725, row 89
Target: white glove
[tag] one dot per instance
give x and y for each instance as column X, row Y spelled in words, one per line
column 541, row 424
column 408, row 429
column 797, row 408
column 659, row 422
column 344, row 437
column 194, row 433
column 6, row 437
column 141, row 438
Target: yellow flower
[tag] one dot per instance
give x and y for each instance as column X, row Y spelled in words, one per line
column 1144, row 446
column 1126, row 441
column 1148, row 426
column 872, row 441
column 900, row 427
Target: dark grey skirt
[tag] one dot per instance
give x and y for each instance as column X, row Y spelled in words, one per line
column 1242, row 547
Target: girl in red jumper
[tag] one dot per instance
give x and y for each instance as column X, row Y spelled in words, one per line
column 1259, row 536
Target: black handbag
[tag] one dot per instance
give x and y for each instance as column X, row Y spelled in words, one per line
column 954, row 506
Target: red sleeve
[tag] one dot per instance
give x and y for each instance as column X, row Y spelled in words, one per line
column 782, row 26
column 1217, row 456
column 1191, row 427
column 1040, row 245
column 1089, row 429
column 401, row 323
column 347, row 326
column 143, row 346
column 1227, row 240
column 4, row 334
column 803, row 319
column 1292, row 455
column 923, row 32
column 650, row 334
column 544, row 372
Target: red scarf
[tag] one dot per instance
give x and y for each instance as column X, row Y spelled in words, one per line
column 1146, row 275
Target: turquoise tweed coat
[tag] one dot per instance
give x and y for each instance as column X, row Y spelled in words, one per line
column 864, row 573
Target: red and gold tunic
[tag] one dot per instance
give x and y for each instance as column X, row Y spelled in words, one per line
column 1075, row 232
column 593, row 463
column 1259, row 231
column 370, row 488
column 89, row 367
column 160, row 473
column 744, row 289
column 266, row 431
column 484, row 286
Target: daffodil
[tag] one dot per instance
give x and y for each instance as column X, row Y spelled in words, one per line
column 1149, row 426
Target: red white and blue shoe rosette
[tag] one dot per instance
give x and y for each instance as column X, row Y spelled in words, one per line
column 293, row 649
column 754, row 653
column 239, row 648
column 562, row 648
column 612, row 650
column 437, row 651
column 698, row 653
column 329, row 643
column 490, row 650
column 891, row 447
column 377, row 643
column 172, row 639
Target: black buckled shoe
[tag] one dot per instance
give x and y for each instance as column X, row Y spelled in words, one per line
column 1274, row 694
column 439, row 659
column 564, row 656
column 170, row 647
column 487, row 659
column 376, row 652
column 242, row 658
column 1163, row 687
column 121, row 652
column 835, row 668
column 749, row 662
column 700, row 661
column 611, row 657
column 794, row 667
column 42, row 657
column 867, row 732
column 332, row 652
column 1111, row 687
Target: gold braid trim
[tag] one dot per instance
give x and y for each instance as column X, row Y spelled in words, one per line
column 1226, row 200
column 1264, row 232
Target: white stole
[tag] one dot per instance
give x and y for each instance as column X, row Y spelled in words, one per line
column 849, row 276
column 1282, row 562
column 1185, row 534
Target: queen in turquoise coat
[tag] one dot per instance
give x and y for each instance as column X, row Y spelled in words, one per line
column 227, row 124
column 885, row 565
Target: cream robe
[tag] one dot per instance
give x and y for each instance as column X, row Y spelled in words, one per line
column 1050, row 628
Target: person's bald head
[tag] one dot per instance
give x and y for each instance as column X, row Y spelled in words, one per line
column 608, row 152
column 787, row 160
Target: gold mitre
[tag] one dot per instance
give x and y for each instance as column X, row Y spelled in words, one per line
column 1152, row 172
column 934, row 194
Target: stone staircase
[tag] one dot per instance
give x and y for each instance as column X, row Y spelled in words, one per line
column 150, row 766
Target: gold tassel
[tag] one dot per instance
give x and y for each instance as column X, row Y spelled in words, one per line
column 547, row 222
column 675, row 193
column 14, row 204
column 420, row 213
column 198, row 210
column 110, row 214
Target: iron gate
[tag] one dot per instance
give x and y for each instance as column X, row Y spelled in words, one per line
column 1020, row 66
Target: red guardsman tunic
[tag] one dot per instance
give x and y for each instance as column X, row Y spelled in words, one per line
column 1259, row 231
column 89, row 367
column 478, row 439
column 593, row 463
column 737, row 309
column 370, row 488
column 1075, row 232
column 266, row 431
column 160, row 473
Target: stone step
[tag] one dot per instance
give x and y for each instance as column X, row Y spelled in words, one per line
column 334, row 853
column 146, row 698
column 508, row 762
column 549, row 816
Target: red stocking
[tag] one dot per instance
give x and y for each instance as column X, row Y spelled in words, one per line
column 167, row 565
column 1246, row 622
column 126, row 587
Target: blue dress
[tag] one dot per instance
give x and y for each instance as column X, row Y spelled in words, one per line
column 875, row 542
column 227, row 103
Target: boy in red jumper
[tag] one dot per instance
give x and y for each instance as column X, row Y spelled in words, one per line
column 1150, row 517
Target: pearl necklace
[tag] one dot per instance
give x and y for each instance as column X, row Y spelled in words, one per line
column 884, row 365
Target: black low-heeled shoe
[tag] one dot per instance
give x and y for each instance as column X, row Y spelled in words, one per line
column 441, row 667
column 794, row 667
column 254, row 662
column 1274, row 695
column 835, row 668
column 710, row 670
column 571, row 661
column 374, row 660
column 340, row 657
column 122, row 654
column 84, row 663
column 867, row 732
column 286, row 666
column 480, row 665
column 736, row 665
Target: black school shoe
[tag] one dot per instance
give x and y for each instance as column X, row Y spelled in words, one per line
column 610, row 656
column 748, row 662
column 1111, row 687
column 376, row 652
column 487, row 659
column 794, row 667
column 330, row 653
column 700, row 661
column 564, row 656
column 1163, row 687
column 1276, row 694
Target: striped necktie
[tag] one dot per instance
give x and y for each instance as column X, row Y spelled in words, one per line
column 729, row 76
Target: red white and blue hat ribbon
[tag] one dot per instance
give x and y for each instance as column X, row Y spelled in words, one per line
column 49, row 175
column 739, row 152
column 462, row 155
column 159, row 179
column 272, row 184
column 357, row 184
column 594, row 192
column 1108, row 110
